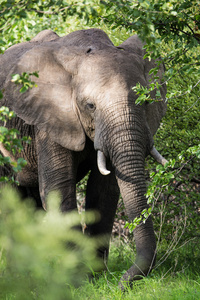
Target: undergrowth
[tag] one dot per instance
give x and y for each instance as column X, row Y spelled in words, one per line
column 176, row 278
column 42, row 257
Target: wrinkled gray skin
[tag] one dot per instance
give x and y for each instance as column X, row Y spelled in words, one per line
column 84, row 103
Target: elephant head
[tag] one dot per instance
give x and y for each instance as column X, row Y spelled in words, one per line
column 84, row 90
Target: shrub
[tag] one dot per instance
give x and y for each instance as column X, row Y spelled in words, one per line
column 42, row 254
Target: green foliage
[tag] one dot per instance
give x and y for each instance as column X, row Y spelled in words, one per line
column 178, row 139
column 160, row 24
column 6, row 114
column 174, row 196
column 12, row 144
column 155, row 20
column 138, row 220
column 180, row 210
column 42, row 254
column 21, row 20
column 25, row 81
column 10, row 137
column 144, row 92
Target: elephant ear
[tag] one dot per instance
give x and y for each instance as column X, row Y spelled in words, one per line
column 156, row 110
column 51, row 105
column 44, row 36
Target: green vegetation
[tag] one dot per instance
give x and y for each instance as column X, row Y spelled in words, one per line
column 174, row 279
column 171, row 29
column 42, row 255
column 12, row 142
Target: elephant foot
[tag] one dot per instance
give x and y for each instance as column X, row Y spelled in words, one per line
column 127, row 280
column 138, row 271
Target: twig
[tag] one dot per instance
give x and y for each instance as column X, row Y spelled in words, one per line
column 173, row 244
column 52, row 12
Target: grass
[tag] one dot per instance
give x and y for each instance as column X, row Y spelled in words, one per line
column 174, row 279
column 149, row 288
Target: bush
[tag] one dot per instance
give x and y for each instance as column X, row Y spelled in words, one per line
column 42, row 254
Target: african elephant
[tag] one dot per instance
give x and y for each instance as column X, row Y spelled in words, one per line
column 82, row 116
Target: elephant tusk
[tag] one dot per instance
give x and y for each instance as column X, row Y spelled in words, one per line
column 101, row 162
column 158, row 157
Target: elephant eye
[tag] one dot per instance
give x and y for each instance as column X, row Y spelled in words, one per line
column 91, row 106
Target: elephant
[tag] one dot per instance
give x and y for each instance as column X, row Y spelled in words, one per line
column 82, row 117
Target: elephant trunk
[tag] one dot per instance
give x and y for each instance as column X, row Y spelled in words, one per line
column 135, row 202
column 126, row 145
column 131, row 181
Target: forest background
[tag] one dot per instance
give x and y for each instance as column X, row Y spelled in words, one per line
column 171, row 30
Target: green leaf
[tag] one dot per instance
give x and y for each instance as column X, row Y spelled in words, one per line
column 15, row 77
column 23, row 89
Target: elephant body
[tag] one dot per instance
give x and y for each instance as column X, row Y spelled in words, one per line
column 84, row 105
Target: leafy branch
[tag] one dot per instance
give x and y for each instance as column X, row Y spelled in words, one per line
column 161, row 179
column 25, row 81
column 11, row 144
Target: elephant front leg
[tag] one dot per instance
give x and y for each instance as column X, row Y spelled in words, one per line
column 56, row 172
column 102, row 197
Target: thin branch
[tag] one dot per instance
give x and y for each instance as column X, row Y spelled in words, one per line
column 52, row 12
column 181, row 168
column 192, row 105
column 190, row 28
column 195, row 180
column 173, row 244
column 190, row 35
column 11, row 7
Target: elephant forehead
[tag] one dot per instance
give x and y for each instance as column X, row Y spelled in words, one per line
column 93, row 37
column 93, row 80
column 111, row 69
